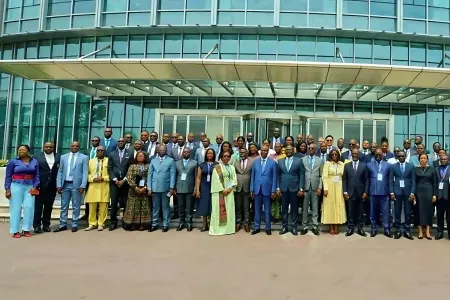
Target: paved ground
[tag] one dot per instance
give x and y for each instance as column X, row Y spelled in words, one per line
column 183, row 266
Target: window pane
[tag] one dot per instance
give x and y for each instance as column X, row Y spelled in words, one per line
column 351, row 22
column 260, row 4
column 30, row 12
column 235, row 18
column 231, row 4
column 137, row 46
column 29, row 25
column 58, row 23
column 172, row 18
column 120, row 47
column 267, row 44
column 114, row 5
column 139, row 19
column 84, row 6
column 84, row 21
column 154, row 44
column 102, row 42
column 293, row 19
column 287, row 44
column 140, row 5
column 411, row 26
column 198, row 4
column 191, row 43
column 260, row 18
column 382, row 24
column 325, row 21
column 114, row 19
column 322, row 5
column 56, row 7
column 172, row 44
column 383, row 9
column 197, row 17
column 294, row 5
column 363, row 48
column 356, row 7
column 325, row 46
column 171, row 4
column 58, row 48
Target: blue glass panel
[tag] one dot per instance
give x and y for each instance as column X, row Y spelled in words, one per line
column 73, row 48
column 83, row 21
column 114, row 5
column 208, row 42
column 325, row 21
column 306, row 58
column 231, row 4
column 191, row 44
column 44, row 49
column 59, row 7
column 196, row 17
column 351, row 22
column 307, row 45
column 7, row 52
column 325, row 46
column 438, row 28
column 13, row 14
column 173, row 18
column 102, row 42
column 382, row 49
column 198, row 4
column 363, row 48
column 267, row 57
column 383, row 9
column 268, row 44
column 87, row 45
column 229, row 43
column 32, row 50
column 400, row 50
column 260, row 4
column 287, row 44
column 346, row 48
column 293, row 19
column 142, row 18
column 58, row 48
column 30, row 12
column 411, row 26
column 414, row 11
column 284, row 57
column 417, row 52
column 363, row 60
column 11, row 27
column 137, row 46
column 120, row 47
column 58, row 23
column 439, row 3
column 248, row 44
column 260, row 18
column 235, row 18
column 172, row 44
column 248, row 56
column 171, row 4
column 20, row 51
column 322, row 5
column 382, row 24
column 294, row 5
column 381, row 61
column 356, row 7
column 155, row 44
column 29, row 25
column 439, row 14
column 114, row 19
column 84, row 6
column 140, row 5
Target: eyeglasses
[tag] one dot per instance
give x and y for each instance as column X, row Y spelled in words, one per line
column 100, row 150
column 219, row 138
column 95, row 140
column 406, row 142
column 152, row 135
column 329, row 140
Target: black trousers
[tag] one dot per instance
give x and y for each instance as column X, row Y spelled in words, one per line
column 175, row 204
column 186, row 207
column 242, row 208
column 289, row 198
column 44, row 206
column 402, row 201
column 119, row 196
column 355, row 212
column 443, row 209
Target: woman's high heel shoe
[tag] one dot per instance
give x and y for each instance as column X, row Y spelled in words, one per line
column 420, row 237
column 429, row 238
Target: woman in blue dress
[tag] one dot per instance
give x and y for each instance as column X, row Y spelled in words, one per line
column 203, row 187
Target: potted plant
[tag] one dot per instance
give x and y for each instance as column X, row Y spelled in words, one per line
column 3, row 163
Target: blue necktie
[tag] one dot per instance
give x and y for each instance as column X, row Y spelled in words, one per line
column 263, row 165
column 185, row 163
column 107, row 144
column 402, row 167
column 72, row 165
column 311, row 162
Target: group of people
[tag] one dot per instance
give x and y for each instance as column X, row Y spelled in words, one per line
column 231, row 185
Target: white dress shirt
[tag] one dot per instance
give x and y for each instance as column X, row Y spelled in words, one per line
column 72, row 156
column 50, row 158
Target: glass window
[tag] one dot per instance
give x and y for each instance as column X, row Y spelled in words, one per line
column 87, row 46
column 356, row 7
column 139, row 18
column 435, row 126
column 191, row 44
column 208, row 42
column 412, row 26
column 438, row 28
column 235, row 18
column 58, row 7
column 352, row 129
column 363, row 48
column 58, row 23
column 382, row 24
column 231, row 4
column 294, row 5
column 44, row 49
column 400, row 112
column 98, row 117
column 400, row 51
column 84, row 6
column 268, row 44
column 197, row 125
column 381, row 130
column 114, row 19
column 197, row 17
column 172, row 18
column 172, row 44
column 229, row 44
column 198, row 4
column 417, row 54
column 102, row 42
column 383, row 7
column 415, row 11
column 325, row 46
column 319, row 21
column 58, row 48
column 114, row 5
column 417, row 120
column 287, row 44
column 260, row 4
column 293, row 19
column 120, row 47
column 32, row 50
column 322, row 6
column 73, row 48
column 137, row 46
column 171, row 4
column 116, row 113
column 351, row 22
column 434, row 55
column 260, row 18
column 83, row 21
column 345, row 46
column 67, row 120
column 154, row 46
column 140, row 5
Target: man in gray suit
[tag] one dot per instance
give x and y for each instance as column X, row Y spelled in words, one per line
column 200, row 154
column 312, row 188
column 186, row 170
column 177, row 150
column 160, row 185
column 71, row 182
column 241, row 195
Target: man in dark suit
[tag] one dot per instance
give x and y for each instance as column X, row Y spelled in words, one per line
column 348, row 155
column 152, row 144
column 402, row 187
column 118, row 163
column 48, row 170
column 186, row 173
column 442, row 203
column 379, row 193
column 355, row 186
column 437, row 163
column 243, row 168
column 290, row 181
column 109, row 143
column 144, row 139
column 276, row 138
column 177, row 149
column 137, row 146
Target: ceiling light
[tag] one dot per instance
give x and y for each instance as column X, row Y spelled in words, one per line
column 177, row 82
column 133, row 82
column 89, row 82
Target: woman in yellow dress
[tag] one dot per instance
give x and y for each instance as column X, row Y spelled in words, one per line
column 333, row 209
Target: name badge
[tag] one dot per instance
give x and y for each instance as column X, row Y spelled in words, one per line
column 380, row 177
column 402, row 183
column 183, row 176
column 208, row 178
column 141, row 182
column 336, row 179
column 441, row 185
column 229, row 184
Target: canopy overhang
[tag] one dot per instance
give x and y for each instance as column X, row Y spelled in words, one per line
column 238, row 78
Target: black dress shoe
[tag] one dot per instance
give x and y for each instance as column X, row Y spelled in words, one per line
column 165, row 229
column 397, row 235
column 180, row 227
column 283, row 231
column 64, row 228
column 388, row 234
column 315, row 231
column 175, row 216
column 304, row 231
column 113, row 227
column 46, row 229
column 294, row 231
column 256, row 231
column 350, row 232
column 408, row 236
column 74, row 229
column 438, row 237
column 269, row 232
column 189, row 227
column 37, row 230
column 153, row 228
column 361, row 232
column 373, row 234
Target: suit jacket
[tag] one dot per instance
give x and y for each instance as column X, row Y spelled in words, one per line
column 347, row 155
column 378, row 188
column 243, row 176
column 80, row 172
column 291, row 180
column 388, row 155
column 186, row 186
column 313, row 177
column 146, row 147
column 355, row 183
column 170, row 147
column 319, row 155
column 444, row 193
column 199, row 157
column 281, row 142
column 432, row 157
column 263, row 182
column 409, row 178
column 117, row 169
column 112, row 145
column 368, row 158
column 161, row 175
column 175, row 155
column 47, row 176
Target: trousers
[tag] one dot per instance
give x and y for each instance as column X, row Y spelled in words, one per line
column 402, row 203
column 310, row 197
column 44, row 206
column 158, row 200
column 242, row 208
column 355, row 213
column 185, row 205
column 102, row 213
column 21, row 197
column 70, row 193
column 289, row 198
column 119, row 197
column 379, row 204
column 261, row 200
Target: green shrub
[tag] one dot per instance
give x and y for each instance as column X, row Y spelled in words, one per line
column 3, row 163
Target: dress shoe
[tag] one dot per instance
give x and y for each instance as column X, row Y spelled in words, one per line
column 428, row 238
column 361, row 232
column 180, row 227
column 26, row 234
column 59, row 229
column 246, row 228
column 283, row 231
column 17, row 235
column 388, row 234
column 165, row 229
column 269, row 232
column 113, row 226
column 189, row 227
column 153, row 228
column 175, row 216
column 238, row 227
column 304, row 231
column 37, row 230
column 350, row 232
column 90, row 228
column 256, row 231
column 74, row 229
column 397, row 235
column 100, row 228
column 373, row 234
column 408, row 236
column 438, row 237
column 315, row 231
column 46, row 229
column 294, row 231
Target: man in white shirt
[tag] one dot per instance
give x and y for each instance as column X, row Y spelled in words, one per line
column 394, row 160
column 365, row 147
column 407, row 149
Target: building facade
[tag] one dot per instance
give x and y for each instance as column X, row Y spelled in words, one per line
column 359, row 69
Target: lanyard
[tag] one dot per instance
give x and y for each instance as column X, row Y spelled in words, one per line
column 209, row 168
column 380, row 163
column 443, row 173
column 227, row 167
column 289, row 163
column 336, row 169
column 99, row 167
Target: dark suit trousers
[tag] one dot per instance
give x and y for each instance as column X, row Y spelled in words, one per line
column 379, row 204
column 355, row 215
column 119, row 198
column 261, row 200
column 44, row 206
column 186, row 206
column 242, row 208
column 175, row 204
column 443, row 208
column 289, row 198
column 402, row 201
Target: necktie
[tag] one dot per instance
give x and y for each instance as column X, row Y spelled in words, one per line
column 185, row 163
column 442, row 172
column 92, row 153
column 121, row 155
column 180, row 149
column 242, row 164
column 72, row 164
column 107, row 144
column 323, row 157
column 311, row 162
column 263, row 165
column 402, row 168
column 127, row 146
column 355, row 166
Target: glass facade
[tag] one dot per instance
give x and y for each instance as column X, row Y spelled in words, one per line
column 21, row 16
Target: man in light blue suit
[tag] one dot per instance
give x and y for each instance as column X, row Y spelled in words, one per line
column 71, row 183
column 161, row 185
column 263, row 184
column 109, row 143
column 200, row 152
